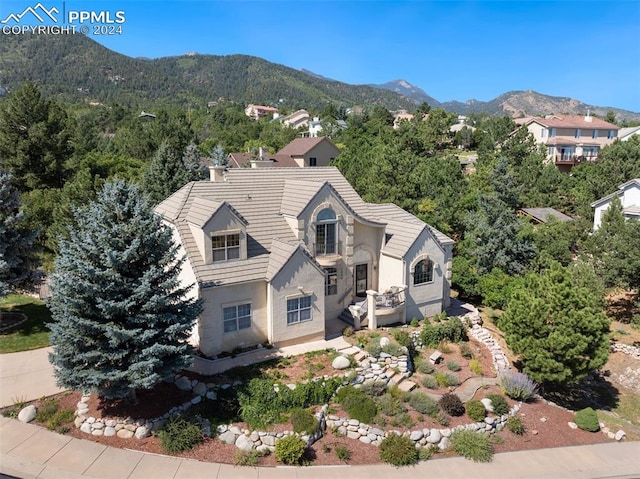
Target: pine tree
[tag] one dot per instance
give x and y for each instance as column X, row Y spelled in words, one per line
column 121, row 318
column 16, row 243
column 192, row 160
column 165, row 174
column 556, row 323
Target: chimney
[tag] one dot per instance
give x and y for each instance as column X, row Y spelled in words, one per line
column 588, row 117
column 217, row 174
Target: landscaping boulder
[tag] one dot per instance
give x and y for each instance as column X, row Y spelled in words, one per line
column 341, row 362
column 244, row 443
column 27, row 414
column 384, row 341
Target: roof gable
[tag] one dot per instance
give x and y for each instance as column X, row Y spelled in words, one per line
column 302, row 146
column 281, row 254
column 202, row 210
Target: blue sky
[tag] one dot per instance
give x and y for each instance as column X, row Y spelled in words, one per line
column 587, row 50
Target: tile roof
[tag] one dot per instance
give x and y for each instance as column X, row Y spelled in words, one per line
column 301, row 146
column 261, row 196
column 574, row 121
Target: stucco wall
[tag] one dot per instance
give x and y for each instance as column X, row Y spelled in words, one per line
column 323, row 153
column 224, row 221
column 213, row 339
column 299, row 277
column 391, row 272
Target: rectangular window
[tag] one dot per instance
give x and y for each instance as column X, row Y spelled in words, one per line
column 313, row 162
column 595, row 134
column 298, row 309
column 611, row 134
column 326, row 240
column 552, row 132
column 331, row 281
column 543, row 132
column 578, row 132
column 237, row 317
column 225, row 247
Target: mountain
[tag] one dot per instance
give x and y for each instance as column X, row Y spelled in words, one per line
column 412, row 92
column 76, row 68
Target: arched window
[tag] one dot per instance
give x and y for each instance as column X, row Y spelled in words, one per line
column 423, row 272
column 326, row 233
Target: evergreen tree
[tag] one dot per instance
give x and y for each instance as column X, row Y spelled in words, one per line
column 556, row 323
column 15, row 242
column 165, row 174
column 121, row 318
column 192, row 160
column 34, row 139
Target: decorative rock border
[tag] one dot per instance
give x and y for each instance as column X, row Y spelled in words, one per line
column 633, row 351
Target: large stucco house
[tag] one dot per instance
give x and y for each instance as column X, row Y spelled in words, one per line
column 279, row 254
column 629, row 195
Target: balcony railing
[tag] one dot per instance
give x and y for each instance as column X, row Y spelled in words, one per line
column 574, row 159
column 390, row 299
column 328, row 249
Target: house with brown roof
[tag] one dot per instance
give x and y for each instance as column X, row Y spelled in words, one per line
column 317, row 151
column 259, row 111
column 544, row 215
column 297, row 119
column 629, row 196
column 281, row 254
column 572, row 139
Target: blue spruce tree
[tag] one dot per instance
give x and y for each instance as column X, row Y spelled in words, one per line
column 121, row 318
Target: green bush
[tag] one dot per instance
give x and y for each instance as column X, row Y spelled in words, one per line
column 180, row 434
column 246, row 458
column 303, row 421
column 476, row 367
column 497, row 287
column 394, row 349
column 373, row 348
column 61, row 420
column 429, row 382
column 403, row 420
column 465, row 351
column 453, row 365
column 414, row 323
column 515, row 425
column 499, row 403
column 423, row 403
column 518, row 386
column 451, row 330
column 472, row 445
column 374, row 388
column 587, row 420
column 46, row 410
column 446, row 379
column 424, row 367
column 390, row 406
column 290, row 450
column 357, row 404
column 451, row 404
column 342, row 452
column 443, row 419
column 402, row 337
column 475, row 410
column 398, row 450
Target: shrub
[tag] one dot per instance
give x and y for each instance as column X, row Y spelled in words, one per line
column 515, row 425
column 373, row 348
column 452, row 330
column 429, row 382
column 425, row 453
column 402, row 337
column 414, row 323
column 587, row 420
column 444, row 346
column 424, row 367
column 347, row 332
column 180, row 434
column 472, row 445
column 290, row 450
column 465, row 351
column 303, row 421
column 451, row 404
column 403, row 420
column 374, row 388
column 398, row 450
column 390, row 406
column 499, row 403
column 475, row 410
column 518, row 386
column 398, row 393
column 446, row 379
column 423, row 403
column 357, row 404
column 395, row 349
column 46, row 410
column 453, row 365
column 476, row 367
column 61, row 420
column 443, row 419
column 342, row 452
column 246, row 458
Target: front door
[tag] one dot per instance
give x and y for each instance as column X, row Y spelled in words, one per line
column 361, row 279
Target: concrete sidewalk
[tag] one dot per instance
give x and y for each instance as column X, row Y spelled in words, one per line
column 28, row 451
column 25, row 376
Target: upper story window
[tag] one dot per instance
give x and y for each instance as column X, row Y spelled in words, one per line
column 298, row 309
column 578, row 132
column 543, row 132
column 595, row 134
column 225, row 247
column 326, row 232
column 313, row 162
column 237, row 317
column 331, row 281
column 423, row 272
column 552, row 132
column 611, row 134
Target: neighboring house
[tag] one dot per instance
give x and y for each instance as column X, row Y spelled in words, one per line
column 625, row 133
column 629, row 195
column 259, row 111
column 544, row 215
column 297, row 119
column 277, row 254
column 263, row 159
column 318, row 151
column 401, row 115
column 572, row 139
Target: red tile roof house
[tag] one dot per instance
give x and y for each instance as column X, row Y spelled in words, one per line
column 259, row 111
column 301, row 152
column 278, row 255
column 572, row 139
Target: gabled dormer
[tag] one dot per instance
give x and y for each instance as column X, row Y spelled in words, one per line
column 220, row 232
